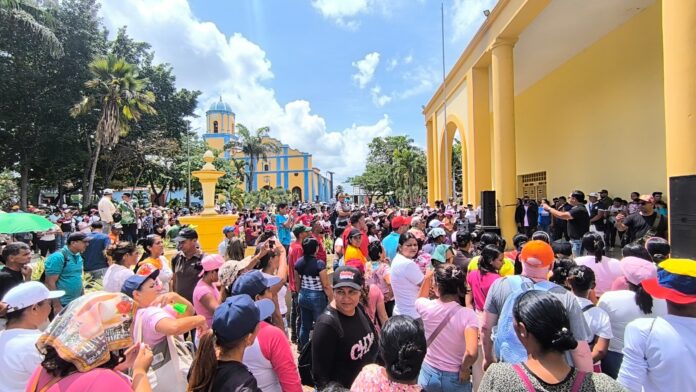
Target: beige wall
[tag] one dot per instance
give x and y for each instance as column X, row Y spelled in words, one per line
column 597, row 121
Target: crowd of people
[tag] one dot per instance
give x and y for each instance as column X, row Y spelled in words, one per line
column 352, row 297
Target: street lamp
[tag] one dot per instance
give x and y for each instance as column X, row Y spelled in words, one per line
column 188, row 158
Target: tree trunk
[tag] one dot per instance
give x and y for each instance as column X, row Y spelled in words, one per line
column 59, row 196
column 87, row 198
column 250, row 180
column 24, row 184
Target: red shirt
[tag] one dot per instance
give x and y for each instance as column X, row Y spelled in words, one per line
column 364, row 241
column 294, row 254
column 321, row 252
column 306, row 219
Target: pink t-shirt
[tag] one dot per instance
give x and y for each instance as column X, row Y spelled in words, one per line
column 480, row 284
column 151, row 316
column 446, row 352
column 605, row 271
column 373, row 379
column 199, row 291
column 92, row 381
column 374, row 297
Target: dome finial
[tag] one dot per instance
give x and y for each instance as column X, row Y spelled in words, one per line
column 220, row 98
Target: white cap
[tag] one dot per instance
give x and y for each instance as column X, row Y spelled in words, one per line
column 27, row 294
column 108, row 191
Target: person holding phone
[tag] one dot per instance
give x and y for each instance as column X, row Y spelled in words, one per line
column 284, row 223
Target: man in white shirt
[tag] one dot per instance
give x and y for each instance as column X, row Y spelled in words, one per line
column 660, row 353
column 106, row 210
column 471, row 217
column 28, row 306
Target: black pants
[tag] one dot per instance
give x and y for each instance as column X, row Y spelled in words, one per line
column 389, row 307
column 47, row 247
column 295, row 318
column 130, row 232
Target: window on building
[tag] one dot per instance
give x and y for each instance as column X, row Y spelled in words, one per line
column 265, row 167
column 215, row 127
column 296, row 174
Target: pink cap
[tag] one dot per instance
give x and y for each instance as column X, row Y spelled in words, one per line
column 637, row 270
column 211, row 263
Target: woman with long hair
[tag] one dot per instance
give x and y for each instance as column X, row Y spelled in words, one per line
column 480, row 280
column 406, row 276
column 582, row 280
column 543, row 327
column 218, row 365
column 624, row 306
column 123, row 257
column 454, row 349
column 402, row 348
column 606, row 269
column 658, row 248
column 153, row 254
column 315, row 290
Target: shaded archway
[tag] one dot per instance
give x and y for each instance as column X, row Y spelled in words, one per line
column 454, row 127
column 297, row 193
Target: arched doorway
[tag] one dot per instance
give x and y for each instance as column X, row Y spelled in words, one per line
column 297, row 193
column 267, row 187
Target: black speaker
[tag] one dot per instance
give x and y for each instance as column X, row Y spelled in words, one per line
column 488, row 208
column 682, row 216
column 491, row 229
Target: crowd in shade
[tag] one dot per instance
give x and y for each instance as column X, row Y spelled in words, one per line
column 347, row 297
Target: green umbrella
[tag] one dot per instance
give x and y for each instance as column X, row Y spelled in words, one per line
column 22, row 222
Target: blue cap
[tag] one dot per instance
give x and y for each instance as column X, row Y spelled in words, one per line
column 136, row 281
column 238, row 316
column 253, row 283
column 228, row 229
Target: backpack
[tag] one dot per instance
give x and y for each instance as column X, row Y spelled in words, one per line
column 507, row 346
column 304, row 361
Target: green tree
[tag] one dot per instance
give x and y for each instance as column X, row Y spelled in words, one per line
column 9, row 192
column 118, row 92
column 254, row 145
column 410, row 169
column 35, row 19
column 457, row 165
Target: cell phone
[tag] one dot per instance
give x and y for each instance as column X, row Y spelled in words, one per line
column 271, row 243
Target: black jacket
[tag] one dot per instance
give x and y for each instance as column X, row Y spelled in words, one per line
column 532, row 214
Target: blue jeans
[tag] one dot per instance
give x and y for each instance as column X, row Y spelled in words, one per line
column 577, row 247
column 611, row 364
column 312, row 303
column 434, row 380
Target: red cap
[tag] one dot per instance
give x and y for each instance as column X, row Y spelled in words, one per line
column 397, row 222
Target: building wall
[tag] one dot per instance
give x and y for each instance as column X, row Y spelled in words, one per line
column 597, row 121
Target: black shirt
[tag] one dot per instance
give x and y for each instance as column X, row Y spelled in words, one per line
column 638, row 225
column 233, row 376
column 339, row 352
column 186, row 274
column 9, row 279
column 580, row 224
column 594, row 211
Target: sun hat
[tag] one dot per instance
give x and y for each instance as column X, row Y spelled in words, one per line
column 229, row 271
column 27, row 294
column 186, row 234
column 89, row 328
column 347, row 276
column 211, row 263
column 636, row 270
column 436, row 232
column 675, row 281
column 135, row 282
column 253, row 283
column 238, row 316
column 440, row 253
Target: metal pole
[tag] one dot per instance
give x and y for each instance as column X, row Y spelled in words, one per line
column 188, row 157
column 448, row 155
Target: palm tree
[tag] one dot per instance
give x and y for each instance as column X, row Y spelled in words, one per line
column 254, row 146
column 119, row 94
column 35, row 19
column 239, row 168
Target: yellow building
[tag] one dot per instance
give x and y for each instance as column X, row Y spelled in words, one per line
column 289, row 169
column 552, row 96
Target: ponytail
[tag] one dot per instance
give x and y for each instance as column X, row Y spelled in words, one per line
column 594, row 243
column 204, row 365
column 642, row 298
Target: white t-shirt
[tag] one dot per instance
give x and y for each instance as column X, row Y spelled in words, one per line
column 115, row 276
column 19, row 358
column 406, row 278
column 597, row 319
column 668, row 345
column 621, row 307
column 470, row 215
column 605, row 271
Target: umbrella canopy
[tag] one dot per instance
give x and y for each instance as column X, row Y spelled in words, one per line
column 22, row 222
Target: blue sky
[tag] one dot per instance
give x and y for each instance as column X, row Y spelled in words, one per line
column 326, row 75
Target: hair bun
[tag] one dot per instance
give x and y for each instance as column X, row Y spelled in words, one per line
column 564, row 340
column 409, row 358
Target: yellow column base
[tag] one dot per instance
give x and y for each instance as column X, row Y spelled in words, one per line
column 209, row 229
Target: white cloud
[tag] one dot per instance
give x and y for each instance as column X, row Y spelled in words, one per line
column 378, row 98
column 345, row 13
column 421, row 79
column 235, row 68
column 408, row 59
column 392, row 63
column 467, row 16
column 366, row 69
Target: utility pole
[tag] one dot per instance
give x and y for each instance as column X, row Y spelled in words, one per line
column 448, row 153
column 188, row 158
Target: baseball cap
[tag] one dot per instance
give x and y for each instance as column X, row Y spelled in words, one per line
column 228, row 229
column 354, row 233
column 347, row 276
column 594, row 194
column 211, row 263
column 537, row 254
column 636, row 270
column 253, row 283
column 186, row 234
column 27, row 294
column 647, row 198
column 78, row 236
column 108, row 191
column 675, row 281
column 435, row 223
column 397, row 222
column 136, row 281
column 300, row 228
column 117, row 226
column 238, row 316
column 436, row 232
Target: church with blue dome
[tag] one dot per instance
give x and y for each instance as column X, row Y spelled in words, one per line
column 289, row 169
